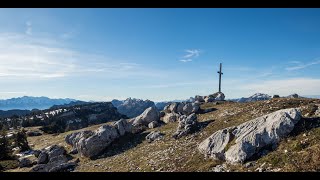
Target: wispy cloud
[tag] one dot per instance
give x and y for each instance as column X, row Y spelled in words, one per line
column 185, row 60
column 300, row 65
column 192, row 53
column 28, row 57
column 28, row 28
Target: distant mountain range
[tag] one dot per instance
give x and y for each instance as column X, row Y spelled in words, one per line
column 255, row 97
column 29, row 103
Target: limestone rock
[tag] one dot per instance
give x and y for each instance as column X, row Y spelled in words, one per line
column 186, row 125
column 96, row 143
column 73, row 138
column 154, row 135
column 123, row 126
column 149, row 115
column 170, row 117
column 53, row 159
column 190, row 108
column 237, row 144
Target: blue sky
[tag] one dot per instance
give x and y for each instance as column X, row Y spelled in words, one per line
column 158, row 54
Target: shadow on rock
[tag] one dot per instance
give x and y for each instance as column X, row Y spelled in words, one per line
column 122, row 144
column 304, row 125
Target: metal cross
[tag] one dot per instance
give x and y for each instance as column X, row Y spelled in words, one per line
column 220, row 73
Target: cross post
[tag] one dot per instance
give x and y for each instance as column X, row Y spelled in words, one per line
column 220, row 73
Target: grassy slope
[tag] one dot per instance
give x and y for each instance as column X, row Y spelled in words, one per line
column 133, row 153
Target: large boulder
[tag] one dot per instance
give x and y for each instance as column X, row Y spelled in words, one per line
column 96, row 143
column 237, row 144
column 92, row 143
column 53, row 159
column 149, row 115
column 218, row 96
column 190, row 108
column 186, row 125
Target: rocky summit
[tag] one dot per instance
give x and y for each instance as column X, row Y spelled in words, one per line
column 132, row 107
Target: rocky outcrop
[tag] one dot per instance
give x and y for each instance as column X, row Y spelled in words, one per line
column 98, row 141
column 53, row 159
column 173, row 111
column 218, row 96
column 92, row 143
column 182, row 108
column 186, row 125
column 239, row 143
column 154, row 135
column 170, row 117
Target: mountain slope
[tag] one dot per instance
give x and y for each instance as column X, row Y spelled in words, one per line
column 134, row 153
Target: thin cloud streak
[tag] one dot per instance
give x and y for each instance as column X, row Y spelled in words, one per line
column 301, row 65
column 185, row 60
